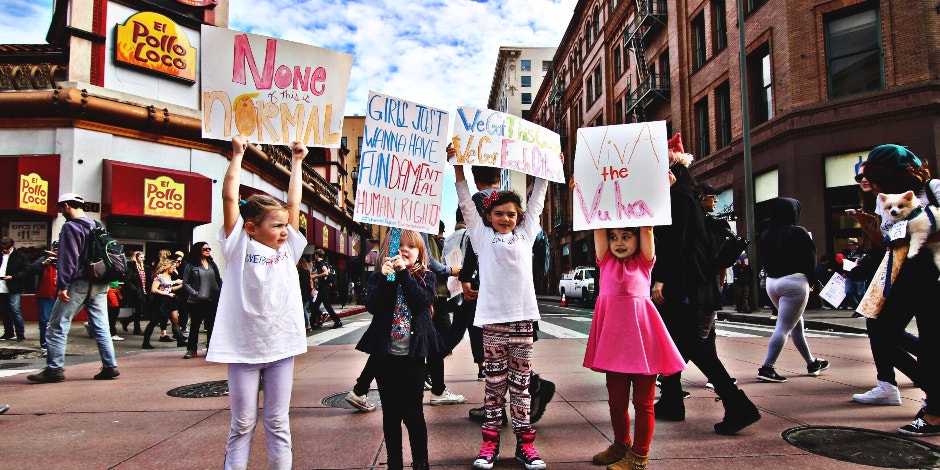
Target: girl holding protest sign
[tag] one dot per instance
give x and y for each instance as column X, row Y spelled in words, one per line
column 628, row 341
column 506, row 309
column 399, row 339
column 260, row 325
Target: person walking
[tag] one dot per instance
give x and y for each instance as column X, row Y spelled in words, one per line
column 260, row 325
column 76, row 291
column 789, row 256
column 628, row 342
column 136, row 290
column 45, row 268
column 306, row 287
column 163, row 304
column 204, row 283
column 322, row 275
column 12, row 275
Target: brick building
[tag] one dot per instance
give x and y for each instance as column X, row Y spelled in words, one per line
column 826, row 80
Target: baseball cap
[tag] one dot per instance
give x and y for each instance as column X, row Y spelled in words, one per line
column 853, row 240
column 708, row 190
column 70, row 197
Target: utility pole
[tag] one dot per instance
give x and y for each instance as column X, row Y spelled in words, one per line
column 746, row 150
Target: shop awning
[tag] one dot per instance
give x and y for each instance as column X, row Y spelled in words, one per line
column 30, row 183
column 146, row 191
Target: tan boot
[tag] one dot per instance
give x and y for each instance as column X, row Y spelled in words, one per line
column 631, row 462
column 612, row 454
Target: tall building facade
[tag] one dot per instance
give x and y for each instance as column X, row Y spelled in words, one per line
column 826, row 81
column 77, row 116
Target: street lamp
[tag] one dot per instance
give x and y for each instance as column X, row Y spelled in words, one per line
column 354, row 174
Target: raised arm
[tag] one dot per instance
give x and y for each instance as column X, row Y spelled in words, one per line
column 231, row 183
column 647, row 243
column 601, row 245
column 296, row 185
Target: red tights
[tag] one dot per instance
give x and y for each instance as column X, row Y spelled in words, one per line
column 618, row 390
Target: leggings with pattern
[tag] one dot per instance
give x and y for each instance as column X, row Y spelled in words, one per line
column 507, row 353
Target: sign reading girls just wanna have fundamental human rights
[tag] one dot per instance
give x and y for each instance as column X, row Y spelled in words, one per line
column 621, row 176
column 484, row 137
column 401, row 170
column 271, row 90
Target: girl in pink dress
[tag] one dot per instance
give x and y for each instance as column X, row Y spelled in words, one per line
column 628, row 341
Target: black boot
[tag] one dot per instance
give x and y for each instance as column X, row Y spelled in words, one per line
column 739, row 413
column 420, row 465
column 670, row 408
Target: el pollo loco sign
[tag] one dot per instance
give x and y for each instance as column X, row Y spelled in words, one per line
column 164, row 197
column 154, row 42
column 34, row 192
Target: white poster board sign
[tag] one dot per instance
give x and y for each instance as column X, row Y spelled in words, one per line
column 621, row 176
column 834, row 290
column 484, row 137
column 401, row 170
column 271, row 90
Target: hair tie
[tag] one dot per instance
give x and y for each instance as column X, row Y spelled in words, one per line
column 489, row 200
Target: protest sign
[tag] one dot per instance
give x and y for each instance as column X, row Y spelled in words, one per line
column 834, row 290
column 271, row 90
column 621, row 176
column 401, row 170
column 485, row 137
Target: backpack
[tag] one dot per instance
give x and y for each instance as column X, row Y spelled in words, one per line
column 725, row 245
column 103, row 255
column 331, row 276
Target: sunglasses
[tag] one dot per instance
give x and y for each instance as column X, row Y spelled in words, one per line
column 859, row 177
column 206, row 248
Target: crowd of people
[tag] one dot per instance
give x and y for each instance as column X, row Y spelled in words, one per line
column 659, row 292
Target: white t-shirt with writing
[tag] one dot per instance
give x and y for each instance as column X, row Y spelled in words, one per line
column 260, row 317
column 507, row 292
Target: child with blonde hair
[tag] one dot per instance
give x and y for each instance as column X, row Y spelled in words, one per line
column 259, row 326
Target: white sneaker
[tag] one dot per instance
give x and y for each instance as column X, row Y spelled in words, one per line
column 359, row 401
column 883, row 394
column 116, row 338
column 447, row 398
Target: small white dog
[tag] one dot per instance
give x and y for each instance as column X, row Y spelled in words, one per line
column 898, row 207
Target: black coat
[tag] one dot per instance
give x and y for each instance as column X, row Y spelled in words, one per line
column 380, row 301
column 684, row 262
column 16, row 267
column 133, row 291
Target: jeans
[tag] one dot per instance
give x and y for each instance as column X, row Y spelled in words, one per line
column 243, row 383
column 44, row 307
column 12, row 315
column 94, row 298
column 854, row 291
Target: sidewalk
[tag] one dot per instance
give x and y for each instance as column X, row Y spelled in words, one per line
column 131, row 422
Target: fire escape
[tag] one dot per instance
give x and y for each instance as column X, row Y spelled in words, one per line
column 651, row 87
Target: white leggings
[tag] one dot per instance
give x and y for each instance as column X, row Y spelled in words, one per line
column 789, row 294
column 243, row 383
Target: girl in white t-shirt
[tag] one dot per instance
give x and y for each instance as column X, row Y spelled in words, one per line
column 259, row 326
column 506, row 308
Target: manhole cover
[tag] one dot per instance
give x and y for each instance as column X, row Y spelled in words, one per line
column 216, row 388
column 864, row 446
column 338, row 400
column 12, row 365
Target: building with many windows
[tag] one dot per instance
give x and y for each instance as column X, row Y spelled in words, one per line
column 826, row 81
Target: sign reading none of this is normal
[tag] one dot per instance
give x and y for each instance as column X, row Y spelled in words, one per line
column 271, row 90
column 485, row 137
column 621, row 176
column 401, row 171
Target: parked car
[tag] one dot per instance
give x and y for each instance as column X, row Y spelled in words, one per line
column 579, row 284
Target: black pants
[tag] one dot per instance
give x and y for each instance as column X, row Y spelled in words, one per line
column 463, row 322
column 323, row 297
column 914, row 295
column 682, row 322
column 435, row 365
column 891, row 351
column 199, row 313
column 401, row 388
column 113, row 313
column 367, row 375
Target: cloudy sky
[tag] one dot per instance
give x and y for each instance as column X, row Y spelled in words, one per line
column 437, row 52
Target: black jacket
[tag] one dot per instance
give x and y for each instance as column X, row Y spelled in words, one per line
column 684, row 262
column 191, row 281
column 784, row 247
column 133, row 291
column 380, row 301
column 16, row 267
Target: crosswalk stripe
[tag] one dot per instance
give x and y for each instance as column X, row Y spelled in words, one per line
column 12, row 372
column 329, row 335
column 559, row 331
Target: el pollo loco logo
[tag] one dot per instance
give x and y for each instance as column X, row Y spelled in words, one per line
column 34, row 192
column 164, row 197
column 155, row 42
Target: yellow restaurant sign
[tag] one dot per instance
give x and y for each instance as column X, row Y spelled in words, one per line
column 326, row 236
column 154, row 42
column 34, row 193
column 164, row 197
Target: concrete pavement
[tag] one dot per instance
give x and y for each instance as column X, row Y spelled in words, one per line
column 131, row 422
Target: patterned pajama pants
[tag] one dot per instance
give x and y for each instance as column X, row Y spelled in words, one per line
column 507, row 353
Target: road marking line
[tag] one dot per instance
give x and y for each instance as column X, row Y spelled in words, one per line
column 12, row 372
column 559, row 331
column 329, row 335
